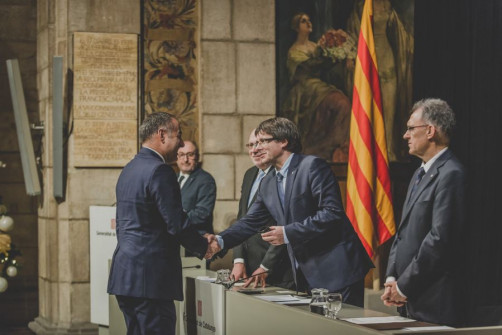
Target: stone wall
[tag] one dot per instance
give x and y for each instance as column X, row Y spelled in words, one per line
column 18, row 41
column 237, row 91
column 64, row 288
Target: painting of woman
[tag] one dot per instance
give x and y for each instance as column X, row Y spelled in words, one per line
column 321, row 110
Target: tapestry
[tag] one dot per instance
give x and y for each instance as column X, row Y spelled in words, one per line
column 170, row 64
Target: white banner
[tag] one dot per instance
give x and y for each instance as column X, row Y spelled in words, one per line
column 210, row 308
column 103, row 241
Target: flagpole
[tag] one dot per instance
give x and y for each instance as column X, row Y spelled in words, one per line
column 376, row 272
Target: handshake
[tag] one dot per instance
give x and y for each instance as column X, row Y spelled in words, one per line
column 212, row 246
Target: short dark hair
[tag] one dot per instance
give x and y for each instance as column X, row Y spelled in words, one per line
column 153, row 122
column 282, row 129
column 438, row 113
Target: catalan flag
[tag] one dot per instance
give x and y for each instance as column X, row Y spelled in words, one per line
column 369, row 199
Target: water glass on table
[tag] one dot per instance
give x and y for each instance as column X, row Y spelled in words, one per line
column 332, row 305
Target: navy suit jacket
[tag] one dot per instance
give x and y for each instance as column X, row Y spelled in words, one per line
column 321, row 237
column 255, row 251
column 150, row 225
column 198, row 196
column 426, row 254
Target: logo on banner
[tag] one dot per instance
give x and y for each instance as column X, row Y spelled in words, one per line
column 199, row 307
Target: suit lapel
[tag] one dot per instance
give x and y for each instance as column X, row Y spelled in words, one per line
column 293, row 167
column 246, row 188
column 427, row 179
column 191, row 177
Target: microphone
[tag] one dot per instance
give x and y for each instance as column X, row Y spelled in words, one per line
column 192, row 267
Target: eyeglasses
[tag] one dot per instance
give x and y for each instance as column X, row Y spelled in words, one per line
column 188, row 154
column 261, row 142
column 409, row 129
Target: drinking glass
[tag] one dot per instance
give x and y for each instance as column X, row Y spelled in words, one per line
column 333, row 305
column 318, row 300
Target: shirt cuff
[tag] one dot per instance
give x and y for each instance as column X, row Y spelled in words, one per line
column 263, row 267
column 286, row 240
column 220, row 241
column 389, row 279
column 239, row 260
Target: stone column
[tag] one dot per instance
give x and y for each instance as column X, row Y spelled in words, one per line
column 64, row 288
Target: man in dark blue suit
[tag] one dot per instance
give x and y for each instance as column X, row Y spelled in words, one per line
column 255, row 256
column 303, row 197
column 425, row 272
column 145, row 274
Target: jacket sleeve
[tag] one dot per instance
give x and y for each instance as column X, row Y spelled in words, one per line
column 248, row 225
column 165, row 192
column 275, row 254
column 323, row 200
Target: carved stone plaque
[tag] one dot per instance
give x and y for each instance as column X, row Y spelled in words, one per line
column 105, row 99
column 104, row 142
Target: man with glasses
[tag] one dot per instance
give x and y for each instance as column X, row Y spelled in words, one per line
column 302, row 195
column 198, row 188
column 424, row 268
column 145, row 275
column 254, row 255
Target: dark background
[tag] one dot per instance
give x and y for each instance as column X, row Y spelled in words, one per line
column 458, row 55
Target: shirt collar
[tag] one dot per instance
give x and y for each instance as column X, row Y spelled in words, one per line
column 266, row 171
column 186, row 175
column 285, row 167
column 431, row 161
column 156, row 153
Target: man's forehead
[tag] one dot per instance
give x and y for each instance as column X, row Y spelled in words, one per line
column 187, row 147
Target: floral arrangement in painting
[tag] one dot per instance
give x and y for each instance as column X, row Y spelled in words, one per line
column 337, row 45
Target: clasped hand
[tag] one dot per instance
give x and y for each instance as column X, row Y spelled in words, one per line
column 391, row 296
column 212, row 246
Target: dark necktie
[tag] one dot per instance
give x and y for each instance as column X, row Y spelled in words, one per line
column 420, row 174
column 180, row 179
column 280, row 187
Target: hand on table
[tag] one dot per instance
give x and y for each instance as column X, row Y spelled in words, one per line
column 238, row 271
column 259, row 278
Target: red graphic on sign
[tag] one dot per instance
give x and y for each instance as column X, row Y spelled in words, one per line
column 112, row 224
column 199, row 307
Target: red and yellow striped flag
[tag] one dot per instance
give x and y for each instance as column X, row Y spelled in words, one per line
column 369, row 199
